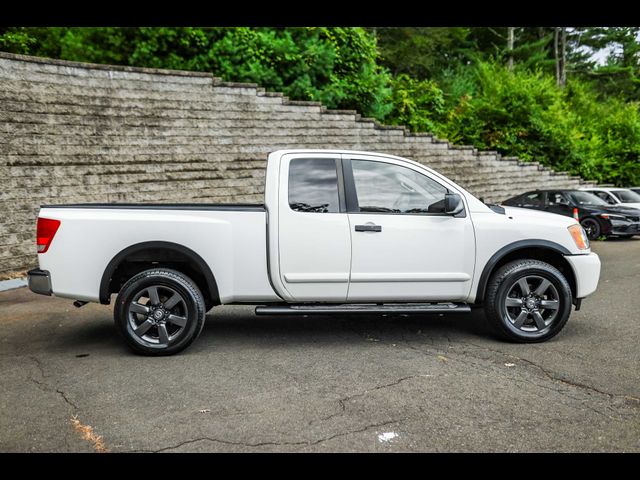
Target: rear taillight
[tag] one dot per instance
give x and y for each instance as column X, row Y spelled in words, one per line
column 575, row 214
column 47, row 229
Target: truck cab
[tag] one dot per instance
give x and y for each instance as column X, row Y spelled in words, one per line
column 362, row 227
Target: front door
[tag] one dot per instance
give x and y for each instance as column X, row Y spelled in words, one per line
column 559, row 203
column 313, row 233
column 404, row 247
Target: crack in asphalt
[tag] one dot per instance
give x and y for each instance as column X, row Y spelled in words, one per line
column 66, row 399
column 263, row 444
column 552, row 376
column 48, row 388
column 38, row 364
column 463, row 357
column 631, row 400
column 342, row 401
column 583, row 402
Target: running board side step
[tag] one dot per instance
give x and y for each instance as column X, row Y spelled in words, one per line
column 326, row 309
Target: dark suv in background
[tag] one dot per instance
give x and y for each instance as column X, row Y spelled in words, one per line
column 595, row 215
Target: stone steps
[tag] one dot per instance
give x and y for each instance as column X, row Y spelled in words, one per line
column 200, row 137
column 136, row 189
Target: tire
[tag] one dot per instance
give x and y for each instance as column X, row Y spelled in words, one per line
column 159, row 312
column 527, row 321
column 592, row 227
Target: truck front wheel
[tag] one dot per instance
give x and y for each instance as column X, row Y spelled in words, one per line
column 528, row 301
column 159, row 312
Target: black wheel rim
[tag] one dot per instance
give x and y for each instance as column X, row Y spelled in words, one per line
column 592, row 228
column 532, row 305
column 157, row 315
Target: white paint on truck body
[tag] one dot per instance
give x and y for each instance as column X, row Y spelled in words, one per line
column 232, row 243
column 280, row 254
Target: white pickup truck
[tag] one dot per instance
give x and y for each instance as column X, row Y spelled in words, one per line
column 339, row 232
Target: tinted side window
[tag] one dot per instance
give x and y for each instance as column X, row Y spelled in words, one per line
column 531, row 200
column 601, row 195
column 514, row 202
column 384, row 187
column 606, row 197
column 557, row 198
column 313, row 185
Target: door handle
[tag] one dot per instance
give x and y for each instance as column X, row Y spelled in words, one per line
column 368, row 228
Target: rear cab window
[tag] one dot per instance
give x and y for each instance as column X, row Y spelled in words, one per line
column 313, row 185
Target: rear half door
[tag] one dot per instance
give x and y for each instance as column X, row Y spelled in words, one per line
column 314, row 240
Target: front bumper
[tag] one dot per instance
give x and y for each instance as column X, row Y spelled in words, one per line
column 625, row 228
column 586, row 269
column 39, row 281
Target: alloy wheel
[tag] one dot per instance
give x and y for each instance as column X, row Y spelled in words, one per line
column 157, row 315
column 532, row 304
column 591, row 227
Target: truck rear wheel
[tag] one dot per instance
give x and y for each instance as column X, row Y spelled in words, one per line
column 528, row 301
column 159, row 312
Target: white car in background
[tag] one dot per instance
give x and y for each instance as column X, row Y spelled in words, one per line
column 619, row 197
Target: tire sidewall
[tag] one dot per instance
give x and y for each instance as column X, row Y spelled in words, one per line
column 147, row 279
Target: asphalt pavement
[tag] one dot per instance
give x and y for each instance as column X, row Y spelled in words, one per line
column 325, row 384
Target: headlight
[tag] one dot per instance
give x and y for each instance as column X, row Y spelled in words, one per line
column 614, row 217
column 579, row 236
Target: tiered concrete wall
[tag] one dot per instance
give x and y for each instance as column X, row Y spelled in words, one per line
column 74, row 132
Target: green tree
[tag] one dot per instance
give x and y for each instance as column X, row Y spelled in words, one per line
column 620, row 75
column 422, row 52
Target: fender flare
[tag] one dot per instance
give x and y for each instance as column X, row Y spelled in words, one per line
column 138, row 247
column 511, row 247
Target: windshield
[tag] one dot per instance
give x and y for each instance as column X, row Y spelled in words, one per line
column 586, row 198
column 626, row 196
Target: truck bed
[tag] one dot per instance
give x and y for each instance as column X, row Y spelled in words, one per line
column 230, row 238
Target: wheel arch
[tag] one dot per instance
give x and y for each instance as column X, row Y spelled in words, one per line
column 140, row 256
column 545, row 250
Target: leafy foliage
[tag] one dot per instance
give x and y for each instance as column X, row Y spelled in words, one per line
column 523, row 113
column 417, row 104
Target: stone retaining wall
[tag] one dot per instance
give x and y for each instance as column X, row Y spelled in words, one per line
column 75, row 132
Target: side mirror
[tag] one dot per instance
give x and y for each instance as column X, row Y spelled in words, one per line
column 453, row 204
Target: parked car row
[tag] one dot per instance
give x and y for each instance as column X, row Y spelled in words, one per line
column 600, row 211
